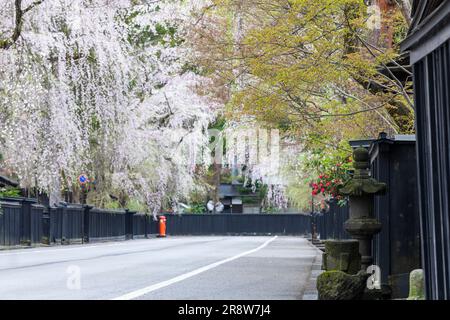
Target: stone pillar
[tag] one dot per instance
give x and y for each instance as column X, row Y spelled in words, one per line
column 361, row 190
column 416, row 285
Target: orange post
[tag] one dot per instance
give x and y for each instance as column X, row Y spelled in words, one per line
column 162, row 226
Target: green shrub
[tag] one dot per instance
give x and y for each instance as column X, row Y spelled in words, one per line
column 244, row 190
column 251, row 200
column 114, row 204
column 136, row 205
column 9, row 192
column 271, row 210
column 196, row 208
column 226, row 179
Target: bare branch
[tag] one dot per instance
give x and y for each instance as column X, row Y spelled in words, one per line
column 31, row 6
column 405, row 7
column 19, row 13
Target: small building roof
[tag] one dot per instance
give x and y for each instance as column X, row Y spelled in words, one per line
column 236, row 201
column 228, row 190
column 5, row 181
column 430, row 28
column 367, row 143
column 404, row 137
column 421, row 10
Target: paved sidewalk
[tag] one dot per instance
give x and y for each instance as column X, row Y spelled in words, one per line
column 310, row 292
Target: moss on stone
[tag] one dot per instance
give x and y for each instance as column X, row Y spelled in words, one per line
column 416, row 285
column 342, row 255
column 338, row 285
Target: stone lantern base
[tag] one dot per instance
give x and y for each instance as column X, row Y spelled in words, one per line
column 342, row 255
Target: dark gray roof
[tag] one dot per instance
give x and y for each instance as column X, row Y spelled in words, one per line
column 405, row 137
column 5, row 181
column 421, row 10
column 228, row 190
column 429, row 29
column 367, row 143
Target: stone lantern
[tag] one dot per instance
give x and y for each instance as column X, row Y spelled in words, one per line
column 361, row 189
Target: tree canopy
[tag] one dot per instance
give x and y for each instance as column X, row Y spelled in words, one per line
column 125, row 91
column 100, row 87
column 323, row 72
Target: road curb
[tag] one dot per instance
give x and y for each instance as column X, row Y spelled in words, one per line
column 310, row 292
column 20, row 247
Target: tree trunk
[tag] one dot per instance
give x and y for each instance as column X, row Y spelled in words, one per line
column 55, row 194
column 384, row 37
column 406, row 8
column 217, row 174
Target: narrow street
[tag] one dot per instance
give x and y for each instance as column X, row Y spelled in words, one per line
column 173, row 268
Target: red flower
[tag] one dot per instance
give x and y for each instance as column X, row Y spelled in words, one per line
column 322, row 190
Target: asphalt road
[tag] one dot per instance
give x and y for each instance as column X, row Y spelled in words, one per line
column 202, row 268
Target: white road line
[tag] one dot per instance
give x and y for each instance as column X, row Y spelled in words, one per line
column 146, row 290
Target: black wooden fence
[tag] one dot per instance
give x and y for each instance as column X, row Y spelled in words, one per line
column 239, row 224
column 10, row 222
column 66, row 224
column 22, row 222
column 143, row 225
column 104, row 225
column 36, row 223
column 330, row 224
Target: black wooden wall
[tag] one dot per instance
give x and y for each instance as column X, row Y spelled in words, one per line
column 429, row 51
column 396, row 248
column 432, row 89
